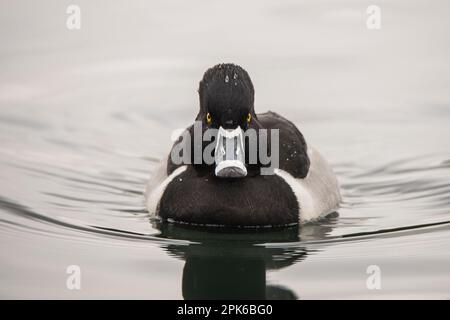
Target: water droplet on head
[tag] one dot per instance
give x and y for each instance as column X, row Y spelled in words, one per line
column 227, row 79
column 235, row 76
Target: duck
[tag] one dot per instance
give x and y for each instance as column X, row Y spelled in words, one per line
column 226, row 179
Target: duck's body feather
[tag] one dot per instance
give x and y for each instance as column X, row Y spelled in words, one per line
column 302, row 189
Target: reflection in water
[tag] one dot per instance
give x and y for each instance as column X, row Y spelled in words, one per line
column 232, row 264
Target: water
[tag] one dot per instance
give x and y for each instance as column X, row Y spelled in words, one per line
column 85, row 115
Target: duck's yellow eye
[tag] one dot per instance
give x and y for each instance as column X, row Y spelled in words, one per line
column 249, row 117
column 208, row 118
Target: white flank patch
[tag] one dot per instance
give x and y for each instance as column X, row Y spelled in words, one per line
column 318, row 193
column 155, row 195
column 304, row 198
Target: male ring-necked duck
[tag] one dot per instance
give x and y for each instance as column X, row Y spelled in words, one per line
column 233, row 190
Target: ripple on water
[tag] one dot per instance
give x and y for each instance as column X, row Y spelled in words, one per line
column 95, row 199
column 113, row 201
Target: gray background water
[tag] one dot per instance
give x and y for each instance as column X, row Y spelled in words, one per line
column 86, row 114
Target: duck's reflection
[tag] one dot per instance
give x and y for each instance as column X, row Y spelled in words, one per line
column 230, row 264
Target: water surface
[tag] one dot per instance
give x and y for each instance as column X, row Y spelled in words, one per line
column 86, row 115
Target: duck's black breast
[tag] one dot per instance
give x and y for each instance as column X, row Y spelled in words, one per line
column 205, row 199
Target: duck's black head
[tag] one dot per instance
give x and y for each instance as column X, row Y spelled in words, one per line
column 226, row 97
column 227, row 103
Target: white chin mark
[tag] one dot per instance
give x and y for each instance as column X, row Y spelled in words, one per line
column 231, row 169
column 229, row 154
